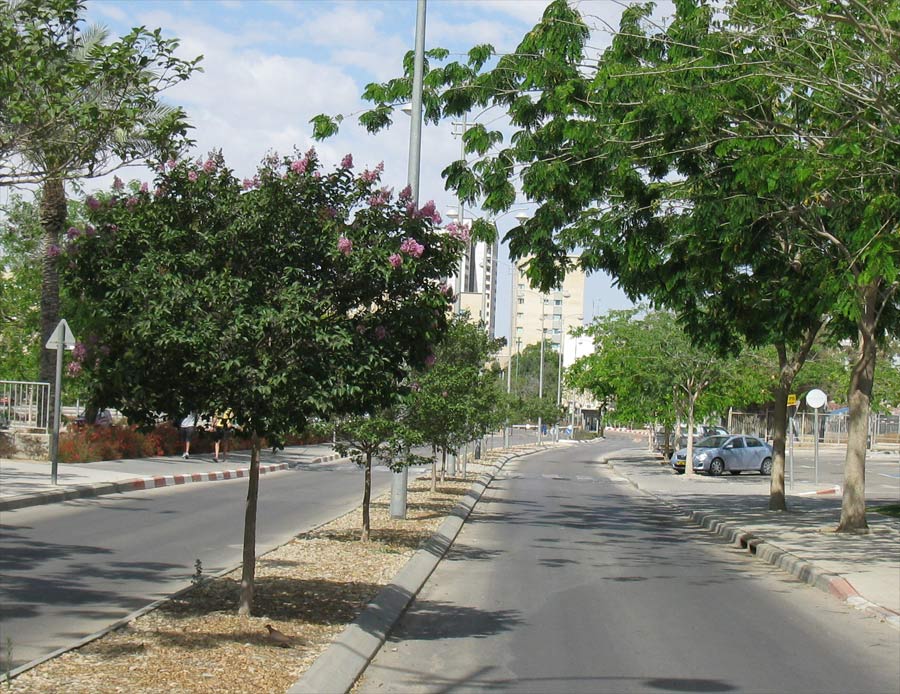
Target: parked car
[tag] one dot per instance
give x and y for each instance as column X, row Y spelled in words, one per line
column 701, row 432
column 735, row 454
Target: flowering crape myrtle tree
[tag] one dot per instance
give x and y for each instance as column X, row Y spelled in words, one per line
column 280, row 296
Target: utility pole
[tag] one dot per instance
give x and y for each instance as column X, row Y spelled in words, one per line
column 400, row 480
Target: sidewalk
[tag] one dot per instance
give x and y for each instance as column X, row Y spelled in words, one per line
column 862, row 570
column 27, row 483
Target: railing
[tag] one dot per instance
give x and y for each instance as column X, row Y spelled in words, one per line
column 24, row 405
column 883, row 430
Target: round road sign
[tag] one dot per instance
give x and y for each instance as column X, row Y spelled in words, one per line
column 816, row 398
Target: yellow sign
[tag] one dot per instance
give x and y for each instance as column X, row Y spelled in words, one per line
column 792, row 401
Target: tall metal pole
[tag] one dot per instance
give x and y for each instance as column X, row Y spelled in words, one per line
column 559, row 381
column 461, row 220
column 57, row 401
column 541, row 378
column 512, row 331
column 400, row 480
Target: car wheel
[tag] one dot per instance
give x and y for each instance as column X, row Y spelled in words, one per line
column 735, row 472
column 717, row 467
column 766, row 467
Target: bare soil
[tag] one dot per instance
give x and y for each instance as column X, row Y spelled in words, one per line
column 308, row 589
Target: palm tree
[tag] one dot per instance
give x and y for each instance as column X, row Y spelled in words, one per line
column 98, row 110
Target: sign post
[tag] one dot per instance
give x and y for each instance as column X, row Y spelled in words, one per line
column 816, row 399
column 62, row 338
column 791, row 402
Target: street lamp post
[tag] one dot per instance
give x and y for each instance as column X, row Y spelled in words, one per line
column 541, row 377
column 562, row 339
column 400, row 480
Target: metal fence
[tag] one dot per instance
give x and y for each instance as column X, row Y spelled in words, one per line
column 884, row 430
column 24, row 405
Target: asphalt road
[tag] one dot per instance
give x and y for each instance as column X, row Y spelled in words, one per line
column 567, row 579
column 67, row 570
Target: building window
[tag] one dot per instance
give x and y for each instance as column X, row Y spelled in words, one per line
column 521, row 299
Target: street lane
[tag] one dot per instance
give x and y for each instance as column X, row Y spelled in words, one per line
column 566, row 579
column 67, row 570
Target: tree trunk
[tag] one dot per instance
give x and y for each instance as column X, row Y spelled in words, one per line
column 689, row 456
column 53, row 215
column 434, row 452
column 248, row 569
column 853, row 503
column 777, row 499
column 367, row 496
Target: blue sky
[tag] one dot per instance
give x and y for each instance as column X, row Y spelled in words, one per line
column 271, row 65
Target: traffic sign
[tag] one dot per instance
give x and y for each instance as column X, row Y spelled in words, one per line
column 792, row 400
column 816, row 398
column 62, row 333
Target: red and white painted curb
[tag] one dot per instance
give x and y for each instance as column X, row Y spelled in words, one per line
column 81, row 491
column 836, row 489
column 171, row 480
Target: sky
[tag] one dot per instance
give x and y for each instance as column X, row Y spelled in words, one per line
column 269, row 66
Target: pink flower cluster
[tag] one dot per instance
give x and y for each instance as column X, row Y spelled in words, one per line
column 459, row 231
column 117, row 183
column 298, row 166
column 380, row 198
column 193, row 176
column 371, row 176
column 209, row 165
column 250, row 183
column 92, row 202
column 345, row 245
column 347, row 161
column 427, row 211
column 396, row 260
column 412, row 247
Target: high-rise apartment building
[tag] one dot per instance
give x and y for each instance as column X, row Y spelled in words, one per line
column 555, row 312
column 479, row 288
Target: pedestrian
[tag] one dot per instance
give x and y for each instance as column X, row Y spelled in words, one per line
column 222, row 423
column 186, row 427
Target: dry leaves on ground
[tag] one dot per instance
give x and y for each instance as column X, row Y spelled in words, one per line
column 309, row 589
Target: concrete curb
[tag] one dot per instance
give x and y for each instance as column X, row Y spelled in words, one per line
column 342, row 663
column 801, row 569
column 82, row 491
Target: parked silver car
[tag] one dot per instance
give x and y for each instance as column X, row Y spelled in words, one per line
column 734, row 454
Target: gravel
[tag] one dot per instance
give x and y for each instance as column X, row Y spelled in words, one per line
column 308, row 589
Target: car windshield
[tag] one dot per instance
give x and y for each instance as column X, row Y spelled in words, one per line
column 712, row 442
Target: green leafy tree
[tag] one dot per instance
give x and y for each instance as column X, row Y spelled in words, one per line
column 653, row 370
column 382, row 436
column 530, row 402
column 76, row 105
column 458, row 398
column 294, row 294
column 20, row 291
column 713, row 171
